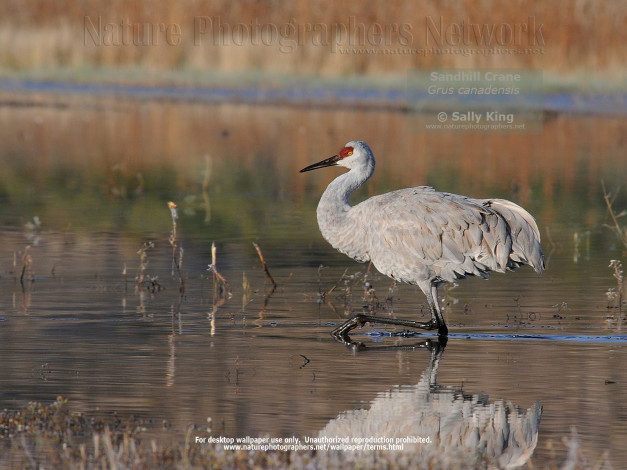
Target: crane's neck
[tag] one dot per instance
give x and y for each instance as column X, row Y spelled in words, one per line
column 334, row 207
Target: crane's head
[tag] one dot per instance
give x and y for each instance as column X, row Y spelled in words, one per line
column 354, row 154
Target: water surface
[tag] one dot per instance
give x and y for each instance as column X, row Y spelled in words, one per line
column 98, row 173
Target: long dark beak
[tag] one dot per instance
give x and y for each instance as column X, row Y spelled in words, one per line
column 331, row 161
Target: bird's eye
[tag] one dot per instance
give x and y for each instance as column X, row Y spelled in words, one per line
column 346, row 152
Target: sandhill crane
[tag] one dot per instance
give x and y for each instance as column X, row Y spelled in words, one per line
column 421, row 236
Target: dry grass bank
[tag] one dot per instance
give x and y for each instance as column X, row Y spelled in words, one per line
column 53, row 436
column 581, row 42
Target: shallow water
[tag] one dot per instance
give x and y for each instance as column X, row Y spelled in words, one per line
column 98, row 172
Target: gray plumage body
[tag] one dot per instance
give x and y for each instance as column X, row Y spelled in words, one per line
column 421, row 236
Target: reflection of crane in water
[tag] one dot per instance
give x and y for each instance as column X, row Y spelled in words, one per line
column 464, row 430
column 421, row 236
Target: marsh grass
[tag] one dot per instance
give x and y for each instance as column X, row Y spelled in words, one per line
column 355, row 292
column 264, row 265
column 27, row 262
column 177, row 250
column 616, row 295
column 54, row 436
column 221, row 288
column 621, row 232
column 144, row 280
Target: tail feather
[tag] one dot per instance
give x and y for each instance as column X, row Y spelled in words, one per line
column 525, row 234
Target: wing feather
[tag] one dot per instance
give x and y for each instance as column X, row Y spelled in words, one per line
column 418, row 233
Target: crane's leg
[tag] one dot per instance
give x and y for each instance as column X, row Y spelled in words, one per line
column 436, row 314
column 436, row 322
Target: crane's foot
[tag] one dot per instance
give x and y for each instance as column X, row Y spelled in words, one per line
column 341, row 333
column 357, row 321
